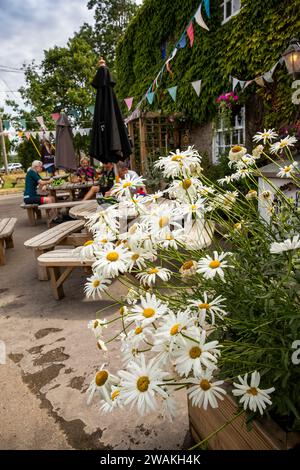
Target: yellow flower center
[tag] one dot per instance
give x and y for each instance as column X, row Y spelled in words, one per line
column 96, row 283
column 175, row 329
column 206, row 306
column 101, row 378
column 214, row 264
column 96, row 323
column 238, row 226
column 252, row 391
column 187, row 265
column 163, row 221
column 177, row 158
column 148, row 312
column 138, row 330
column 89, row 242
column 143, row 383
column 135, row 257
column 195, row 352
column 122, row 310
column 115, row 394
column 169, row 237
column 193, row 207
column 236, row 148
column 205, row 385
column 112, row 256
column 186, row 184
column 127, row 184
column 153, row 271
column 104, row 240
column 287, row 168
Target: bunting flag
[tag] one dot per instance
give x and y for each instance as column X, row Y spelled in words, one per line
column 173, row 92
column 199, row 19
column 207, row 7
column 235, row 82
column 40, row 120
column 182, row 41
column 74, row 113
column 190, row 33
column 55, row 116
column 150, row 97
column 91, row 109
column 129, row 102
column 197, row 86
column 22, row 123
column 164, row 50
column 260, row 81
column 268, row 76
column 20, row 134
column 27, row 135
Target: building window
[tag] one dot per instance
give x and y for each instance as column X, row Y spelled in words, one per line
column 230, row 8
column 225, row 138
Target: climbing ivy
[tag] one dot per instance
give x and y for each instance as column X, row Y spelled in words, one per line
column 248, row 45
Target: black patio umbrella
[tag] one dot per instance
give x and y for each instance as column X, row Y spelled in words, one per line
column 64, row 153
column 109, row 137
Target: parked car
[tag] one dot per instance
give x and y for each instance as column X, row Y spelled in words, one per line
column 12, row 167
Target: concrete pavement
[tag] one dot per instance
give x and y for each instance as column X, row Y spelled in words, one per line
column 51, row 359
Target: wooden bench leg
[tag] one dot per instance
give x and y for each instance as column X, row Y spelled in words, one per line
column 2, row 251
column 38, row 214
column 58, row 279
column 42, row 270
column 9, row 243
column 31, row 215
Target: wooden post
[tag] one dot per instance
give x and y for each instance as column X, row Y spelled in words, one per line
column 3, row 147
column 143, row 144
column 2, row 251
column 132, row 156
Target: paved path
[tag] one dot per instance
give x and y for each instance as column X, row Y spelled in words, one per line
column 51, row 358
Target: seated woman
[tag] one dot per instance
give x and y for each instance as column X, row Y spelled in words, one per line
column 33, row 181
column 48, row 157
column 85, row 171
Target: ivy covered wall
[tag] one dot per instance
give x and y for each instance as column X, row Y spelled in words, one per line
column 248, row 45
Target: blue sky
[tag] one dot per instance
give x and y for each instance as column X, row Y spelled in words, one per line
column 27, row 27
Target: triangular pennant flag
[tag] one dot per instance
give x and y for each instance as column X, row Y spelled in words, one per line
column 6, row 125
column 182, row 41
column 197, row 86
column 207, row 7
column 55, row 116
column 260, row 81
column 268, row 75
column 27, row 135
column 235, row 82
column 190, row 33
column 248, row 83
column 20, row 134
column 150, row 97
column 91, row 109
column 173, row 92
column 129, row 102
column 242, row 84
column 199, row 18
column 22, row 123
column 47, row 135
column 40, row 120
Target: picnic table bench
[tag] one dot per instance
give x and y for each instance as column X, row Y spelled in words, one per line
column 19, row 179
column 7, row 226
column 57, row 259
column 33, row 212
column 57, row 205
column 63, row 234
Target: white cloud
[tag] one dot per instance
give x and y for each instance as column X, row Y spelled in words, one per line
column 28, row 27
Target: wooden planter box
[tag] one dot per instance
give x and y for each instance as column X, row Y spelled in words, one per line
column 265, row 433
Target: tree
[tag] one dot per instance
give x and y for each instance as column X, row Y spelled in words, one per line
column 111, row 20
column 62, row 82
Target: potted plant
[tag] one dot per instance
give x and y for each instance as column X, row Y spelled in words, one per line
column 227, row 104
column 212, row 304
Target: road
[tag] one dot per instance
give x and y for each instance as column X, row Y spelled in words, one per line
column 51, row 358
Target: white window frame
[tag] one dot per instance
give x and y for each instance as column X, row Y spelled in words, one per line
column 233, row 13
column 221, row 131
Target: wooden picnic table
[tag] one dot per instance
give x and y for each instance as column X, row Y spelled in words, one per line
column 70, row 188
column 84, row 210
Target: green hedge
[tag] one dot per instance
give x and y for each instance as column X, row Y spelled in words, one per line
column 246, row 46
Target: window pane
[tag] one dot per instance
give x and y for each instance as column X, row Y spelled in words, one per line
column 228, row 9
column 236, row 5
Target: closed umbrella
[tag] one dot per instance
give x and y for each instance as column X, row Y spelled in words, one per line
column 65, row 153
column 109, row 137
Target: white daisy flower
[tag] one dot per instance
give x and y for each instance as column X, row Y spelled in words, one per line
column 236, row 153
column 242, row 173
column 86, row 251
column 192, row 211
column 125, row 185
column 97, row 326
column 171, row 326
column 180, row 164
column 266, row 136
column 95, row 285
column 102, row 384
column 161, row 220
column 132, row 296
column 257, row 151
column 226, row 200
column 171, row 239
column 251, row 194
column 112, row 260
column 286, row 245
column 245, row 162
column 212, row 307
column 225, row 180
column 288, row 170
column 154, row 198
column 140, row 385
column 283, row 143
column 137, row 335
column 164, row 354
column 206, row 392
column 266, row 196
column 114, row 402
column 139, row 257
column 210, row 267
column 184, row 190
column 149, row 277
column 252, row 397
column 193, row 355
column 107, row 216
column 129, row 352
column 188, row 269
column 149, row 311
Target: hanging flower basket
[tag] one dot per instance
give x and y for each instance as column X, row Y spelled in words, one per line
column 227, row 103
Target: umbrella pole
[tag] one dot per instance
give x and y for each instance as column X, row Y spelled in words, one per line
column 116, row 173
